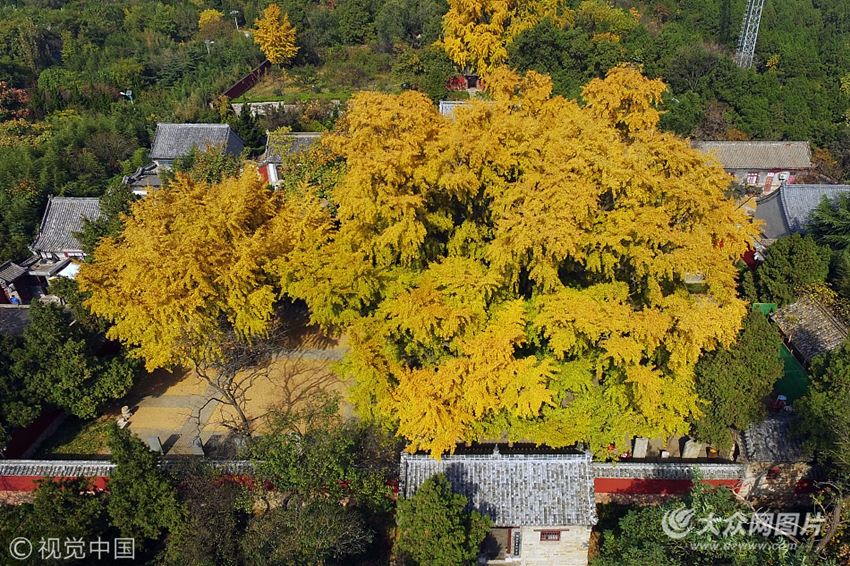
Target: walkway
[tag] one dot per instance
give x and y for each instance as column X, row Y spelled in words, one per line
column 178, row 407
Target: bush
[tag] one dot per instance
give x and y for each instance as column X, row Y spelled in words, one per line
column 354, row 67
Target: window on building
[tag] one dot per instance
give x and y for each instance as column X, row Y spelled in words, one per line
column 550, row 535
column 752, row 178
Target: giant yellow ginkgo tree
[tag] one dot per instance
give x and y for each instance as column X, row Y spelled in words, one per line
column 520, row 270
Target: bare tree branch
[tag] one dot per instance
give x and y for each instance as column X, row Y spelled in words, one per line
column 234, row 368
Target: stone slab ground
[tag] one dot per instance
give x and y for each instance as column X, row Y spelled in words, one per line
column 177, row 407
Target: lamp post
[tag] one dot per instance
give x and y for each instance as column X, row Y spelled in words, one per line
column 235, row 13
column 129, row 94
column 208, row 42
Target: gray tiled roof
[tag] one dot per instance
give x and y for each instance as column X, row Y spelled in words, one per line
column 47, row 267
column 770, row 441
column 175, row 140
column 667, row 471
column 13, row 319
column 758, row 155
column 63, row 217
column 10, row 271
column 787, row 209
column 514, row 490
column 810, row 327
column 75, row 468
column 769, row 211
column 301, row 142
column 56, row 468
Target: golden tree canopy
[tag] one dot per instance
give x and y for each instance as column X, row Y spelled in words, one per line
column 209, row 16
column 520, row 270
column 275, row 36
column 476, row 33
column 192, row 254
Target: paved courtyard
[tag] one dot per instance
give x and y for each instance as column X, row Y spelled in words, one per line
column 178, row 407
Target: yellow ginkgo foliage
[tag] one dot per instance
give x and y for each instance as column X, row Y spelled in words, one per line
column 209, row 16
column 519, row 270
column 275, row 36
column 211, row 24
column 191, row 256
column 476, row 33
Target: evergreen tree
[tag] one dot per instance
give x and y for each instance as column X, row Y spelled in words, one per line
column 822, row 416
column 830, row 222
column 143, row 502
column 733, row 381
column 434, row 529
column 790, row 263
column 58, row 362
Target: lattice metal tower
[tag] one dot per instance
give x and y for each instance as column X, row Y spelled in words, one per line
column 749, row 34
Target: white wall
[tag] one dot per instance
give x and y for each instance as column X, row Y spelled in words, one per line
column 571, row 550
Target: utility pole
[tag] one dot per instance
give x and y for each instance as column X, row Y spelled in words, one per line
column 208, row 42
column 235, row 13
column 749, row 34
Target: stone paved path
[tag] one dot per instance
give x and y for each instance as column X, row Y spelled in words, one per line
column 176, row 408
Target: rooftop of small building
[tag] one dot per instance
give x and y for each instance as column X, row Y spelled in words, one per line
column 176, row 140
column 787, row 209
column 13, row 319
column 45, row 267
column 62, row 217
column 144, row 177
column 771, row 441
column 447, row 107
column 299, row 142
column 10, row 271
column 513, row 489
column 810, row 327
column 758, row 155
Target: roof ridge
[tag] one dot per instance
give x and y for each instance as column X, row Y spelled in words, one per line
column 783, row 205
column 839, row 187
column 75, row 198
column 768, row 197
column 158, row 124
column 751, row 142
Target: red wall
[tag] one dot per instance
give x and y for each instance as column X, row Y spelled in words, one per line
column 245, row 83
column 27, row 483
column 661, row 487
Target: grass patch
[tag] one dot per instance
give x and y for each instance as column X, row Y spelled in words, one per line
column 76, row 438
column 293, row 97
column 345, row 71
